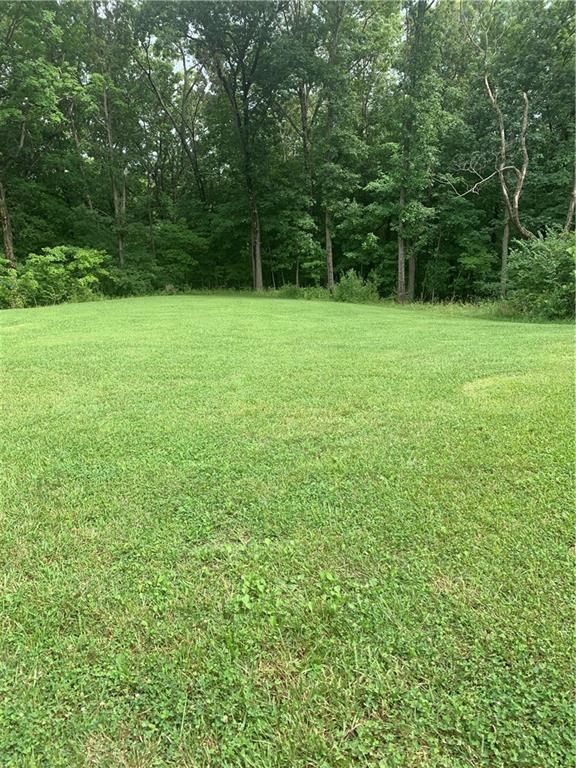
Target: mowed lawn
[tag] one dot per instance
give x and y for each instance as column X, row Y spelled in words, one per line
column 257, row 532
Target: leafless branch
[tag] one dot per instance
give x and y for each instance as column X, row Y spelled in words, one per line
column 190, row 151
column 513, row 206
column 475, row 188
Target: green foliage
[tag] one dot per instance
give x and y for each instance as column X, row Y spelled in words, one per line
column 290, row 291
column 177, row 250
column 355, row 289
column 157, row 132
column 315, row 293
column 13, row 291
column 351, row 288
column 133, row 281
column 63, row 273
column 541, row 276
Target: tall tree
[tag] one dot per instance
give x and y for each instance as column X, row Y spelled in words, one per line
column 30, row 93
column 230, row 40
column 420, row 116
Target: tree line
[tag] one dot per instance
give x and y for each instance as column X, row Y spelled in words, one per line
column 211, row 144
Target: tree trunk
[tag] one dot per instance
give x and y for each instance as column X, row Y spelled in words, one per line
column 401, row 290
column 118, row 195
column 119, row 198
column 150, row 204
column 571, row 207
column 80, row 158
column 411, row 277
column 122, row 222
column 512, row 203
column 329, row 258
column 252, row 248
column 297, row 273
column 303, row 98
column 151, row 236
column 504, row 261
column 121, row 249
column 337, row 9
column 256, row 249
column 6, row 228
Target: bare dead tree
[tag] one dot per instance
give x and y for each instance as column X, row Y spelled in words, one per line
column 510, row 196
column 511, row 191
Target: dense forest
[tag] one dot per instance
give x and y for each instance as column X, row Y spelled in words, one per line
column 182, row 145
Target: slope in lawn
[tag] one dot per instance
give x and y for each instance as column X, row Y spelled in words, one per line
column 256, row 532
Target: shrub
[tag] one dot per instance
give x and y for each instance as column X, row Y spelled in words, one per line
column 353, row 288
column 310, row 292
column 316, row 292
column 541, row 276
column 289, row 291
column 131, row 281
column 12, row 294
column 63, row 273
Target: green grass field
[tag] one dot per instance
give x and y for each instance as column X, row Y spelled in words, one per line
column 257, row 532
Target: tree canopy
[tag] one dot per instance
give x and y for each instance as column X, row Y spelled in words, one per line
column 209, row 144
